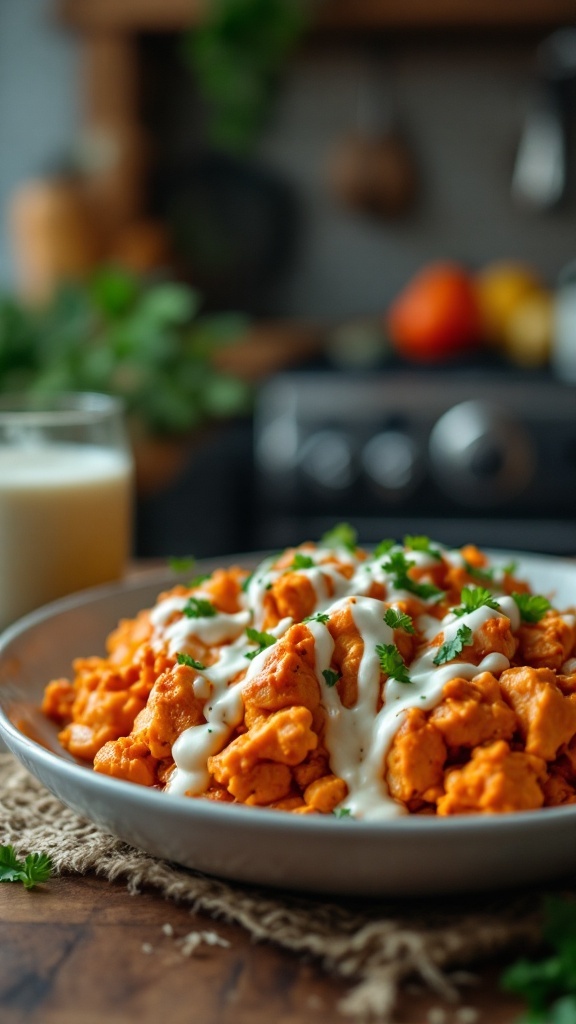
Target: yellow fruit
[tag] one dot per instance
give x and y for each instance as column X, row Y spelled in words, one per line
column 500, row 289
column 529, row 330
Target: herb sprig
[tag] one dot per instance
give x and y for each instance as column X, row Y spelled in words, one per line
column 301, row 561
column 35, row 868
column 341, row 536
column 398, row 620
column 397, row 565
column 452, row 648
column 532, row 607
column 392, row 663
column 199, row 608
column 474, row 598
column 548, row 985
column 263, row 640
column 421, row 543
column 186, row 659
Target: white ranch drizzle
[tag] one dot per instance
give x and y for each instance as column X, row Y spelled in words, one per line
column 357, row 738
column 223, row 711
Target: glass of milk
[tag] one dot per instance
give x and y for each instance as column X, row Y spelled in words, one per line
column 66, row 480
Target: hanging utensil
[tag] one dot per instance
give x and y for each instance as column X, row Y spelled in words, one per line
column 540, row 175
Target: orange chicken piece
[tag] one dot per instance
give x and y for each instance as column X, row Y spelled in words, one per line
column 494, row 781
column 415, row 762
column 473, row 712
column 548, row 643
column 546, row 718
column 288, row 677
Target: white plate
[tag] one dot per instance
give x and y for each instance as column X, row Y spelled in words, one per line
column 409, row 855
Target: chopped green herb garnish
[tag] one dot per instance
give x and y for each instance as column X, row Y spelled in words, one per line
column 532, row 607
column 341, row 536
column 247, row 581
column 484, row 575
column 392, row 662
column 510, row 568
column 398, row 620
column 197, row 580
column 319, row 617
column 36, row 867
column 452, row 648
column 474, row 598
column 397, row 565
column 263, row 640
column 383, row 548
column 185, row 659
column 199, row 608
column 422, row 544
column 301, row 561
column 342, row 812
column 183, row 564
column 422, row 590
column 331, row 677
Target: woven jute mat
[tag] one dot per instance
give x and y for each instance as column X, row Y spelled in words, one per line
column 377, row 946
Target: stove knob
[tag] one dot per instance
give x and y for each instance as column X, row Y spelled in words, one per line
column 480, row 456
column 327, row 461
column 392, row 464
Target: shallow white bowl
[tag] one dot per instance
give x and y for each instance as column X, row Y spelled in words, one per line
column 406, row 856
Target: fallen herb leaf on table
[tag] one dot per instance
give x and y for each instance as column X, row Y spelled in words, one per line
column 35, row 868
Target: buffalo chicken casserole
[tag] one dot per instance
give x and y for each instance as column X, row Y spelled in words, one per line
column 409, row 679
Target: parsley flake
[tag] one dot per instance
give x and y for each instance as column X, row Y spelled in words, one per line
column 474, row 598
column 301, row 561
column 319, row 617
column 548, row 985
column 331, row 677
column 183, row 564
column 532, row 607
column 263, row 640
column 419, row 543
column 247, row 581
column 199, row 579
column 341, row 536
column 483, row 575
column 199, row 608
column 342, row 812
column 452, row 648
column 186, row 659
column 36, row 867
column 383, row 548
column 392, row 663
column 398, row 620
column 397, row 565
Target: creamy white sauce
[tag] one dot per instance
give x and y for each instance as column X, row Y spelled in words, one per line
column 357, row 739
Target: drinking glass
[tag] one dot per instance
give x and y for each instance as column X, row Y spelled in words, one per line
column 66, row 497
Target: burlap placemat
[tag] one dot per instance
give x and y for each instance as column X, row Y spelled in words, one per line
column 377, row 945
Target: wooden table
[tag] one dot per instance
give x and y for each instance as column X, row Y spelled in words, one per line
column 80, row 950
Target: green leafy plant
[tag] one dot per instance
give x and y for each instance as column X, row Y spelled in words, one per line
column 144, row 342
column 237, row 55
column 548, row 985
column 35, row 868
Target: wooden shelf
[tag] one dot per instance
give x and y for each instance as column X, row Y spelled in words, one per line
column 344, row 15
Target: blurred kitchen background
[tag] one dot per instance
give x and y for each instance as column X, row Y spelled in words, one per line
column 326, row 252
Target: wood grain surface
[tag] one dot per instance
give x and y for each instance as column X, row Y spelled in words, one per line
column 80, row 950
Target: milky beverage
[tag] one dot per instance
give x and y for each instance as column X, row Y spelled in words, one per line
column 65, row 522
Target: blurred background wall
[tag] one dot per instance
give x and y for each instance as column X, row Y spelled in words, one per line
column 101, row 105
column 39, row 102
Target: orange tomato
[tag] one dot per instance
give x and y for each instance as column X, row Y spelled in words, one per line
column 436, row 315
